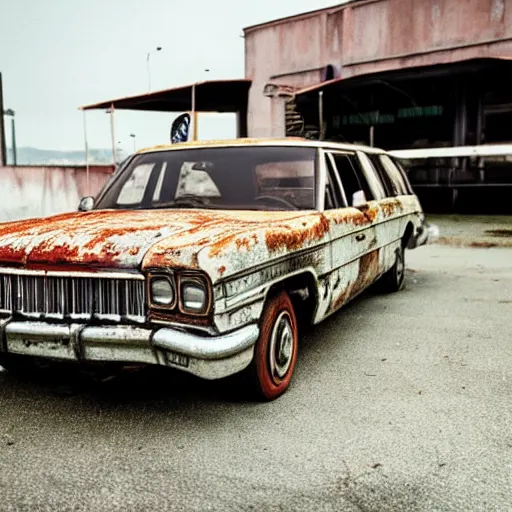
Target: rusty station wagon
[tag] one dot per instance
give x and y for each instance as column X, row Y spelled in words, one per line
column 206, row 256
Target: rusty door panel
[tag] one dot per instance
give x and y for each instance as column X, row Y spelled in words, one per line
column 390, row 226
column 353, row 236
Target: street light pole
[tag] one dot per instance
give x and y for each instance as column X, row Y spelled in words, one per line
column 132, row 135
column 158, row 48
column 14, row 155
column 10, row 112
column 194, row 113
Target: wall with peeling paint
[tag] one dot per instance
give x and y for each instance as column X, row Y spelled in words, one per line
column 29, row 192
column 367, row 36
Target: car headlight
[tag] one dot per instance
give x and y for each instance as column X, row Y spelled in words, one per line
column 194, row 296
column 162, row 291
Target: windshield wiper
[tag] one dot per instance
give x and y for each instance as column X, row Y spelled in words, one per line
column 186, row 200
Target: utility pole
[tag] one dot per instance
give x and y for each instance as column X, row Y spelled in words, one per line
column 10, row 112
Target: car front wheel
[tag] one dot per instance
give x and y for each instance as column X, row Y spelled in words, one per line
column 275, row 353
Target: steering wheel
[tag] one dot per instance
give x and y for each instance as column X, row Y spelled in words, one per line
column 279, row 200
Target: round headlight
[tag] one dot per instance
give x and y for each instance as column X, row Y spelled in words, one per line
column 162, row 291
column 193, row 297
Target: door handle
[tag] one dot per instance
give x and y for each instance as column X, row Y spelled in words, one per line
column 360, row 238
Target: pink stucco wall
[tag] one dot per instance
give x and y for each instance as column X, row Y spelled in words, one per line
column 367, row 36
column 30, row 191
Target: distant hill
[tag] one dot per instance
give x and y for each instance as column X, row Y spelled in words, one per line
column 34, row 156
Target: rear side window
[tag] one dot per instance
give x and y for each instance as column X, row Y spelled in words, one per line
column 390, row 173
column 389, row 188
column 374, row 179
column 351, row 176
column 404, row 175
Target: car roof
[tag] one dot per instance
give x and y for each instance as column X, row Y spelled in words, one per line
column 284, row 142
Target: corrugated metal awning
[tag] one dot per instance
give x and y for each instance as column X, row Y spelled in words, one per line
column 210, row 96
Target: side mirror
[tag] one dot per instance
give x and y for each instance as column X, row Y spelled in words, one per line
column 359, row 199
column 86, row 204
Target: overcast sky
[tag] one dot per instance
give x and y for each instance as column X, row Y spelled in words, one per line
column 56, row 55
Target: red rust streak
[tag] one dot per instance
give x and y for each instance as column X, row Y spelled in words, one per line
column 293, row 239
column 176, row 316
column 342, row 299
column 390, row 207
column 9, row 254
column 368, row 271
column 219, row 246
column 349, row 216
column 371, row 213
column 242, row 242
column 50, row 253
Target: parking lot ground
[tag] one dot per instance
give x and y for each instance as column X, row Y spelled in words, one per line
column 474, row 230
column 399, row 403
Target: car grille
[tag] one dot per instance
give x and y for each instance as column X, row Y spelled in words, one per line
column 76, row 298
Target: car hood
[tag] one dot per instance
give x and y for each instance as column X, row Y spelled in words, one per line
column 134, row 239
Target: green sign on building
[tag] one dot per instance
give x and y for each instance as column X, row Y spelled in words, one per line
column 375, row 117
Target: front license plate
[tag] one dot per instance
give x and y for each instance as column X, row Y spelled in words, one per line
column 177, row 359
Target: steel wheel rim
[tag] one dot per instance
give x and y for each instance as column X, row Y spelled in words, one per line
column 281, row 346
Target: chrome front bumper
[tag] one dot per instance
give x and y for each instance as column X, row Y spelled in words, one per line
column 210, row 357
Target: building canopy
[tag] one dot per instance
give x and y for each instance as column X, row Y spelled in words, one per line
column 210, row 96
column 458, row 103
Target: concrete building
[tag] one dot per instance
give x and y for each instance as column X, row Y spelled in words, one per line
column 408, row 54
column 396, row 74
column 391, row 73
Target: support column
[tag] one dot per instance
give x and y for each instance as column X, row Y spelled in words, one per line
column 460, row 129
column 241, row 122
column 480, row 117
column 3, row 148
column 461, row 114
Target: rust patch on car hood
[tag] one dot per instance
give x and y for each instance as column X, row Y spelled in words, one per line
column 221, row 243
column 122, row 238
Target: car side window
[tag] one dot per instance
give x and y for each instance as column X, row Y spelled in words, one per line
column 333, row 195
column 399, row 166
column 374, row 179
column 388, row 185
column 329, row 203
column 352, row 176
column 397, row 180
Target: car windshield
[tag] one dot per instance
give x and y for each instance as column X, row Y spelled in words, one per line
column 251, row 177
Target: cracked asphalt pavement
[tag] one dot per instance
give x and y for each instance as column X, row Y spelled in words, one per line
column 399, row 403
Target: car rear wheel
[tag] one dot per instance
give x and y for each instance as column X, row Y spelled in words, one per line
column 275, row 353
column 393, row 280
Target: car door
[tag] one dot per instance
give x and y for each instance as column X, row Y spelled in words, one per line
column 391, row 222
column 354, row 262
